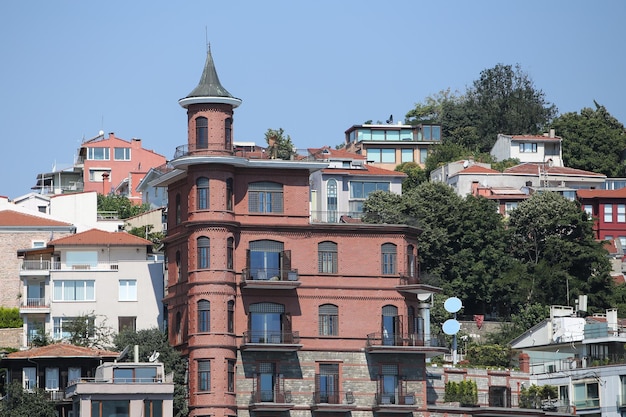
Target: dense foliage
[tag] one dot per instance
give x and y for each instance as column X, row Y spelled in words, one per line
column 593, row 140
column 503, row 99
column 21, row 403
column 152, row 340
column 465, row 392
column 10, row 318
column 121, row 205
column 544, row 253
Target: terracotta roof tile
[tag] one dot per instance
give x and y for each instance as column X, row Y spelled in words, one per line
column 477, row 169
column 101, row 237
column 619, row 193
column 533, row 168
column 535, row 138
column 61, row 350
column 15, row 218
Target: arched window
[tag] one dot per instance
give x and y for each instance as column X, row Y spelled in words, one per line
column 178, row 209
column 231, row 317
column 265, row 197
column 228, row 124
column 202, row 193
column 391, row 325
column 230, row 251
column 204, row 244
column 327, row 257
column 229, row 194
column 388, row 258
column 331, row 200
column 204, row 316
column 202, row 133
column 328, row 318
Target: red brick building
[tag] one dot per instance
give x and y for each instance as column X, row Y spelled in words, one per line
column 274, row 312
column 608, row 208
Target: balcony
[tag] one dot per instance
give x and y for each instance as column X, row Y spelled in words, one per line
column 270, row 278
column 35, row 305
column 333, row 401
column 410, row 343
column 394, row 402
column 271, row 341
column 43, row 267
column 275, row 400
column 413, row 285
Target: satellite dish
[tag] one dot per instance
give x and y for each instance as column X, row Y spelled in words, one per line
column 424, row 296
column 452, row 305
column 101, row 133
column 451, row 327
column 155, row 355
column 123, row 353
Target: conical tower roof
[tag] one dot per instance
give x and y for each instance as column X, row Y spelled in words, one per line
column 209, row 89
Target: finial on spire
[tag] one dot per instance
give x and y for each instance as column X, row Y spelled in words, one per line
column 206, row 39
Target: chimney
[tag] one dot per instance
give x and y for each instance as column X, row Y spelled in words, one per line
column 135, row 143
column 552, row 133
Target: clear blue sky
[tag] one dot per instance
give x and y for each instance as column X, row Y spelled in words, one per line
column 71, row 68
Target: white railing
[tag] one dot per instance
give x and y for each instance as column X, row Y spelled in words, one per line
column 45, row 265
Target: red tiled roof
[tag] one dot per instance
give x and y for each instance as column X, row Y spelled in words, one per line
column 100, row 237
column 618, row 279
column 477, row 169
column 15, row 218
column 326, row 152
column 619, row 193
column 61, row 350
column 533, row 168
column 367, row 170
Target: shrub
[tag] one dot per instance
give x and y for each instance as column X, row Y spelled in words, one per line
column 465, row 392
column 10, row 318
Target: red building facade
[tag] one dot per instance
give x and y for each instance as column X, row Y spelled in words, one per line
column 608, row 208
column 274, row 312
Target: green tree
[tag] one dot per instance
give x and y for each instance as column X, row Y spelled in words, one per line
column 503, row 100
column 279, row 144
column 506, row 100
column 149, row 341
column 415, row 175
column 593, row 140
column 121, row 205
column 146, row 232
column 21, row 403
column 554, row 240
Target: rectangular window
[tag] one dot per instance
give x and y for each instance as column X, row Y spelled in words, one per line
column 29, row 377
column 327, row 384
column 79, row 290
column 328, row 321
column 127, row 323
column 73, row 375
column 100, row 175
column 388, row 156
column 528, row 147
column 128, row 290
column 621, row 213
column 204, row 375
column 265, row 197
column 622, row 399
column 152, row 408
column 81, row 259
column 361, row 190
column 98, row 154
column 509, row 207
column 423, row 154
column 231, row 376
column 586, row 395
column 52, row 379
column 62, row 326
column 589, row 210
column 108, row 408
column 327, row 258
column 373, row 154
column 608, row 213
column 121, row 154
column 407, row 155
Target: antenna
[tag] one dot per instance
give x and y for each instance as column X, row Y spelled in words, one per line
column 206, row 39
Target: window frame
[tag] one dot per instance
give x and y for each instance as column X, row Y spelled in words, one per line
column 328, row 320
column 327, row 257
column 204, row 375
column 127, row 290
column 125, row 154
column 389, row 258
column 203, row 245
column 202, row 193
column 202, row 132
column 204, row 316
column 92, row 155
column 265, row 197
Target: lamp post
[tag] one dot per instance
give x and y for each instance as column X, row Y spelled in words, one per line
column 452, row 326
